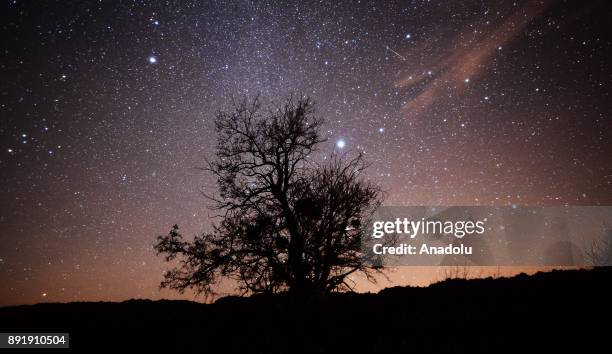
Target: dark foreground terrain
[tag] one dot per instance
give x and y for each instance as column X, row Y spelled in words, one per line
column 548, row 311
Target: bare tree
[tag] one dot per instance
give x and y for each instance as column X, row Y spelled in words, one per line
column 457, row 272
column 288, row 222
column 599, row 252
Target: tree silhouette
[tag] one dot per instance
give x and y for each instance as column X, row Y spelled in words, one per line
column 599, row 252
column 288, row 221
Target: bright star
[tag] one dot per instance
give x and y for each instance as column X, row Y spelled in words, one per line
column 152, row 60
column 340, row 144
column 408, row 36
column 381, row 130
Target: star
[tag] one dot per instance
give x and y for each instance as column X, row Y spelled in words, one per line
column 340, row 144
column 152, row 60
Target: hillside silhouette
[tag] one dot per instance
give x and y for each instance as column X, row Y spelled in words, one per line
column 552, row 310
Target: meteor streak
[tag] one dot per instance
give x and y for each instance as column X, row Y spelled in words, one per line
column 396, row 53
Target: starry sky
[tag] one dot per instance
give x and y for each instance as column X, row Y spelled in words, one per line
column 106, row 109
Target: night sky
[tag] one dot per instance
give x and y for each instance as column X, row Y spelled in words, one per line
column 106, row 108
